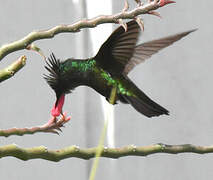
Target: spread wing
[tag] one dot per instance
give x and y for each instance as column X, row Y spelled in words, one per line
column 120, row 54
column 146, row 50
column 117, row 50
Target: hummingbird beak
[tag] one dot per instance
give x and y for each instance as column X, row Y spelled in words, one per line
column 57, row 108
column 165, row 2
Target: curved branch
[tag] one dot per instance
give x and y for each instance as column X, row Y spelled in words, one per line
column 74, row 151
column 10, row 71
column 76, row 27
column 53, row 126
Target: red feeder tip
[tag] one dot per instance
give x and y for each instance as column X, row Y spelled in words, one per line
column 56, row 110
column 165, row 2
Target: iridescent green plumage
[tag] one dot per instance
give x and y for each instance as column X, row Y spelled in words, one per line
column 75, row 71
column 109, row 68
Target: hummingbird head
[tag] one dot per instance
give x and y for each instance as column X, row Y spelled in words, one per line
column 165, row 2
column 55, row 80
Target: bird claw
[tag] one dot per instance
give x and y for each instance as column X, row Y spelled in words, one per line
column 54, row 125
column 53, row 131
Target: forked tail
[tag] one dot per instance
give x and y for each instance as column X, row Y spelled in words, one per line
column 142, row 103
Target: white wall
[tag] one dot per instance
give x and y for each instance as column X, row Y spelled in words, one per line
column 179, row 78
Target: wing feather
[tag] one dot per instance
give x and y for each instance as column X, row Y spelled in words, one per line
column 117, row 50
column 146, row 50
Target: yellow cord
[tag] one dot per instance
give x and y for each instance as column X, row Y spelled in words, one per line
column 102, row 137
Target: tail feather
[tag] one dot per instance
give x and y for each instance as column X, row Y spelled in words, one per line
column 145, row 105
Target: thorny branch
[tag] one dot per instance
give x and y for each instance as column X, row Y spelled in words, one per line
column 115, row 153
column 24, row 43
column 54, row 126
column 27, row 43
column 10, row 71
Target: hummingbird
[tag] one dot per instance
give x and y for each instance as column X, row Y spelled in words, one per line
column 109, row 68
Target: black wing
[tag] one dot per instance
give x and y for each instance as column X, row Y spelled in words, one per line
column 117, row 50
column 119, row 54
